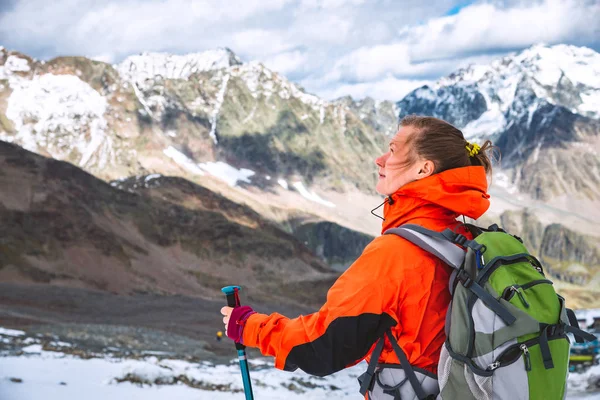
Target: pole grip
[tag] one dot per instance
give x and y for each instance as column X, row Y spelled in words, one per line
column 232, row 295
column 233, row 300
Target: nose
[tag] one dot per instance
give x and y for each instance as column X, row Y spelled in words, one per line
column 381, row 160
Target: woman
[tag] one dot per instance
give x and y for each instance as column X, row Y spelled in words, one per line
column 431, row 175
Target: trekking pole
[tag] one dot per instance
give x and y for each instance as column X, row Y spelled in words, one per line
column 233, row 300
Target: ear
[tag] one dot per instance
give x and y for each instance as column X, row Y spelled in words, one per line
column 426, row 168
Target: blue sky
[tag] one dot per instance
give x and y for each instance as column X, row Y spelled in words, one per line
column 379, row 48
column 457, row 7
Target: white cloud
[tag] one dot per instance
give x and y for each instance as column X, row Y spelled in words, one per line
column 376, row 47
column 372, row 64
column 389, row 88
column 484, row 27
column 287, row 63
column 131, row 26
column 328, row 4
column 260, row 42
column 322, row 29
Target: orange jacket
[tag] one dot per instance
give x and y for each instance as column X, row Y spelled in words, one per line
column 393, row 284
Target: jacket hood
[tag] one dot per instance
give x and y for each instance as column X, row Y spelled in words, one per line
column 443, row 196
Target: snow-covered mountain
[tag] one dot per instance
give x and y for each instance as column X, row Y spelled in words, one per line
column 484, row 99
column 207, row 106
column 541, row 107
column 250, row 134
column 147, row 66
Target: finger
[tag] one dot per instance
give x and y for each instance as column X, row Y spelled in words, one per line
column 226, row 310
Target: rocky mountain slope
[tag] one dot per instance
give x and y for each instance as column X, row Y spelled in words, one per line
column 239, row 129
column 64, row 227
column 382, row 116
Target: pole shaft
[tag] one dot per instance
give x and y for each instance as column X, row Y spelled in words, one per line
column 245, row 375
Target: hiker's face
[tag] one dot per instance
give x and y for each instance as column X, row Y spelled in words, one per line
column 396, row 166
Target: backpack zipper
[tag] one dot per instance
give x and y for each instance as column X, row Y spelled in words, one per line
column 500, row 261
column 536, row 282
column 524, row 349
column 527, row 357
column 510, row 291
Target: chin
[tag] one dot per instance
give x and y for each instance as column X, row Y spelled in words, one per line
column 381, row 191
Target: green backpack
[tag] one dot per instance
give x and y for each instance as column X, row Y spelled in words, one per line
column 506, row 327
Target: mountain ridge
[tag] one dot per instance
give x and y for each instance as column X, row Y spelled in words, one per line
column 304, row 163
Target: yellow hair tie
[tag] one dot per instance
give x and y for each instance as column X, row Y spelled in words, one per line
column 473, row 150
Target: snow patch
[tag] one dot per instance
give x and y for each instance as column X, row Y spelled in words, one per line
column 182, row 160
column 99, row 378
column 220, row 98
column 16, row 64
column 140, row 98
column 151, row 177
column 283, row 183
column 311, row 195
column 34, row 348
column 590, row 102
column 61, row 344
column 502, row 180
column 11, row 332
column 426, row 93
column 490, row 122
column 59, row 113
column 227, row 173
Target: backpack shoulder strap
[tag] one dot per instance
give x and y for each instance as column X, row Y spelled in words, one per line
column 433, row 242
column 442, row 245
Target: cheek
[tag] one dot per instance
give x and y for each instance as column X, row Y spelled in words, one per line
column 395, row 162
column 396, row 179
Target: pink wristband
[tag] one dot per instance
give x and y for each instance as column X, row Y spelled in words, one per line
column 237, row 320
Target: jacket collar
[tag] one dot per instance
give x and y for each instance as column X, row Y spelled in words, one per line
column 443, row 196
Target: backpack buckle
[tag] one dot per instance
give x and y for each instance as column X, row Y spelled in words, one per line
column 461, row 240
column 464, row 278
